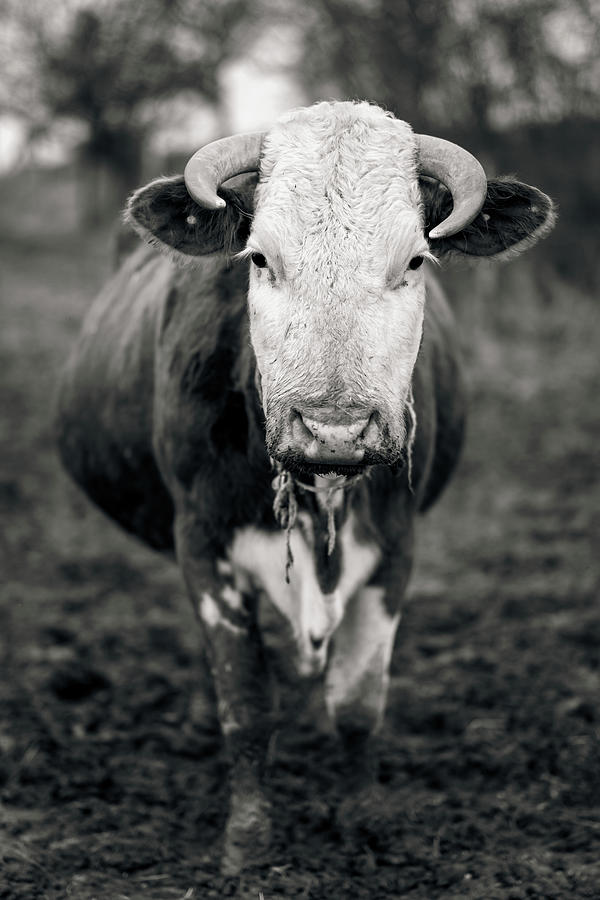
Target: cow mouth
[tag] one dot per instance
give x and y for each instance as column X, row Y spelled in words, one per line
column 309, row 468
column 299, row 465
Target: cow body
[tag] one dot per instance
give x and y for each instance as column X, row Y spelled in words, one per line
column 160, row 328
column 276, row 466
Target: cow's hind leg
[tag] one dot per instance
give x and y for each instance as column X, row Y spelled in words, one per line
column 241, row 684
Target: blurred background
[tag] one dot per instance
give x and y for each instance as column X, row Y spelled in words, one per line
column 104, row 95
column 97, row 644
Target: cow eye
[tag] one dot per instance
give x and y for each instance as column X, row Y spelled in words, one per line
column 415, row 262
column 259, row 260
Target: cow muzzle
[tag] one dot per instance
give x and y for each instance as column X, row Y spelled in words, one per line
column 323, row 440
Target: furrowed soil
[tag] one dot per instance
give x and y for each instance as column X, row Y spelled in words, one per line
column 112, row 777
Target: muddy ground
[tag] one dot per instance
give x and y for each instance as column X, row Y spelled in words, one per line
column 112, row 779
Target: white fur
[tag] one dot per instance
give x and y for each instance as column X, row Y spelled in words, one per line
column 358, row 673
column 231, row 597
column 224, row 567
column 260, row 557
column 212, row 617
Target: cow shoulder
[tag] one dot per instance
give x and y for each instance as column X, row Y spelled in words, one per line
column 208, row 427
column 103, row 413
column 439, row 377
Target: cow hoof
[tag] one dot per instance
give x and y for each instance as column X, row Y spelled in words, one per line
column 247, row 835
column 367, row 811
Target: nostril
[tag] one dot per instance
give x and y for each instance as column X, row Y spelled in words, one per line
column 370, row 432
column 299, row 427
column 316, row 642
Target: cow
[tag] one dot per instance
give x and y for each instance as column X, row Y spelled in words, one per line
column 276, row 393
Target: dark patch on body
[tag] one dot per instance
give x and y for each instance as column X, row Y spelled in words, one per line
column 328, row 566
column 142, row 504
column 230, row 431
column 212, row 435
column 442, row 415
column 207, row 377
column 211, row 383
column 170, row 307
column 128, row 489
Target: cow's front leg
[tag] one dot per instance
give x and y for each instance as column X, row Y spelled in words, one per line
column 358, row 676
column 241, row 684
column 356, row 689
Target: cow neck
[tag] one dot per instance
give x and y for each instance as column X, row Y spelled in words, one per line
column 285, row 505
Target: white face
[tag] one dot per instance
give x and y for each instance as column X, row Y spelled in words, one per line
column 336, row 296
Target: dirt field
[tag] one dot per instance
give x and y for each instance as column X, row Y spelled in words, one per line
column 112, row 780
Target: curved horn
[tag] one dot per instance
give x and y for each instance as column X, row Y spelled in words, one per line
column 461, row 173
column 213, row 164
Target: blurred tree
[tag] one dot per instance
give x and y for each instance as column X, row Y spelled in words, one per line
column 471, row 65
column 509, row 79
column 102, row 64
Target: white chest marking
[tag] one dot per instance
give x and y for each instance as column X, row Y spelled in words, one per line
column 212, row 617
column 259, row 557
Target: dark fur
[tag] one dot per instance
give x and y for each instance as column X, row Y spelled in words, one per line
column 513, row 216
column 163, row 213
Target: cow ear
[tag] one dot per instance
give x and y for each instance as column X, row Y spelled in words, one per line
column 164, row 214
column 514, row 217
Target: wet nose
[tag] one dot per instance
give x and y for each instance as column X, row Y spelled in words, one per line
column 323, row 440
column 335, row 437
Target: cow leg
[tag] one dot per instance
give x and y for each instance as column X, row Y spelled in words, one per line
column 241, row 684
column 355, row 694
column 358, row 676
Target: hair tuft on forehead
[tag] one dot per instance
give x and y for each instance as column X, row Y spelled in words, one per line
column 338, row 180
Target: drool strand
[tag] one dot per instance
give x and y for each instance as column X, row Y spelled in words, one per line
column 285, row 507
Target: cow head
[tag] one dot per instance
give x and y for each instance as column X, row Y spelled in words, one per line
column 341, row 222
